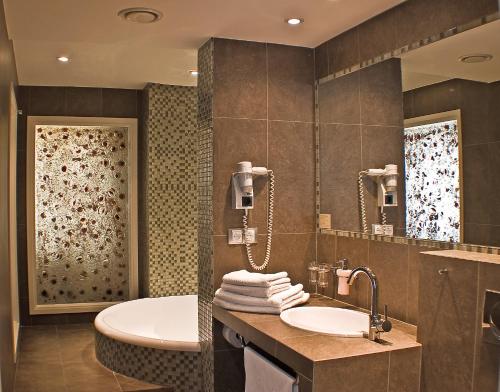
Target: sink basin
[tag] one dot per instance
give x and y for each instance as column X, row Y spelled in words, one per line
column 330, row 321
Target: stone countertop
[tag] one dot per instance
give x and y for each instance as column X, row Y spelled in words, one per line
column 303, row 350
column 466, row 255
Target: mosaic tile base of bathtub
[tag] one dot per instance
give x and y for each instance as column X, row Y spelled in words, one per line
column 180, row 370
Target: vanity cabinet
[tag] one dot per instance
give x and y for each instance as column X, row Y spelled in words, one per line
column 322, row 363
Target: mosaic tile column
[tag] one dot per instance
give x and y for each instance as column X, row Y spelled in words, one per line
column 172, row 202
column 205, row 211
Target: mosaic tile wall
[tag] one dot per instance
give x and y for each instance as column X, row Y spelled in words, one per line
column 432, row 181
column 81, row 204
column 178, row 369
column 205, row 212
column 172, row 202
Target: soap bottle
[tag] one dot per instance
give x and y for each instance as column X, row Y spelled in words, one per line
column 343, row 274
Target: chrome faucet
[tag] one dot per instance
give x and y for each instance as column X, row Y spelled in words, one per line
column 377, row 324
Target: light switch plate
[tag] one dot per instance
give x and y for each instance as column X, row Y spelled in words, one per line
column 235, row 236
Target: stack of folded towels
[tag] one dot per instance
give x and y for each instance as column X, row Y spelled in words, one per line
column 259, row 293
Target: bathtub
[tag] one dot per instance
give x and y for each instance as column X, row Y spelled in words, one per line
column 152, row 339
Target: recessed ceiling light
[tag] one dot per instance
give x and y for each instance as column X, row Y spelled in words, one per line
column 63, row 59
column 194, row 72
column 475, row 58
column 140, row 15
column 294, row 21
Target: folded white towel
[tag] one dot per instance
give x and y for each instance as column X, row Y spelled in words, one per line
column 260, row 309
column 245, row 278
column 276, row 300
column 261, row 292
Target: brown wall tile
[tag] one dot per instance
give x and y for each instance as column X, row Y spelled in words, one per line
column 240, row 75
column 291, row 83
column 327, row 248
column 293, row 253
column 340, row 152
column 377, row 35
column 487, row 360
column 343, row 51
column 291, row 156
column 84, row 102
column 494, row 165
column 476, row 186
column 326, row 252
column 339, row 100
column 389, row 262
column 47, row 101
column 494, row 112
column 235, row 141
column 321, row 61
column 404, row 370
column 447, row 320
column 120, row 103
column 364, row 373
column 414, row 257
column 381, row 94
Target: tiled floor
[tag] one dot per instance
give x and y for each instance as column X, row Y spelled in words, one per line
column 61, row 359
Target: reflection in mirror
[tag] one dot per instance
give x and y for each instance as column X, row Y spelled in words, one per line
column 435, row 113
column 432, row 177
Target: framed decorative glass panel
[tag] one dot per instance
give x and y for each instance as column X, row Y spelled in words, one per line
column 432, row 174
column 82, row 213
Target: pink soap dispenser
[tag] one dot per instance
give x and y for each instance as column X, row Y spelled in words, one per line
column 343, row 275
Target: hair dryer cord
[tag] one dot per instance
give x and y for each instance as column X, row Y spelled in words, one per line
column 269, row 229
column 362, row 206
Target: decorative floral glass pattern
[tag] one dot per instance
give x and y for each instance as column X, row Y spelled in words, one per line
column 432, row 181
column 81, row 214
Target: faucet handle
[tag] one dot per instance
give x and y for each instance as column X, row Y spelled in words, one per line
column 344, row 264
column 386, row 325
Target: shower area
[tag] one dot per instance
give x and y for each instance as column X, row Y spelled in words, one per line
column 111, row 217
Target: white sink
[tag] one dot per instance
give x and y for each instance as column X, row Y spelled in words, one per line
column 331, row 321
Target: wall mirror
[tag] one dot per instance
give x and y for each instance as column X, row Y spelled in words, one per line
column 434, row 112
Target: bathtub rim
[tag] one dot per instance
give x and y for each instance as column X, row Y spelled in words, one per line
column 112, row 333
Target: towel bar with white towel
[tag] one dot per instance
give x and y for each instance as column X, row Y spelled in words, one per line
column 262, row 375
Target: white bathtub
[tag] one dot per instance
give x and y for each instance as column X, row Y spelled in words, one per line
column 167, row 323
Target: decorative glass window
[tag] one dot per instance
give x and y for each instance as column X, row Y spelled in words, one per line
column 432, row 171
column 82, row 249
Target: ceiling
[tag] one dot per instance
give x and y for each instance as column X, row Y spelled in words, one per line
column 439, row 61
column 106, row 51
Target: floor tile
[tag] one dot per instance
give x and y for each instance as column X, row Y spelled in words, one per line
column 62, row 359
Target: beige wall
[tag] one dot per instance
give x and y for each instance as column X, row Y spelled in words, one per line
column 7, row 76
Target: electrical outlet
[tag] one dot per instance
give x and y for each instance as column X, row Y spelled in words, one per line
column 235, row 236
column 251, row 235
column 388, row 229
